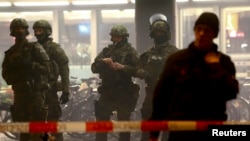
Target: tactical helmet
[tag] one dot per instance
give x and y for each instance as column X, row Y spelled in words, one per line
column 157, row 17
column 18, row 22
column 45, row 25
column 119, row 30
column 158, row 22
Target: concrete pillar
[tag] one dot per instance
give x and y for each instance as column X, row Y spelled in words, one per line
column 57, row 25
column 94, row 36
column 143, row 10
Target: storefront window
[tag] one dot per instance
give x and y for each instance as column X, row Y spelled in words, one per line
column 76, row 37
column 237, row 30
column 237, row 37
column 187, row 19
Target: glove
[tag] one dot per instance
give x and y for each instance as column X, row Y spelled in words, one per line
column 64, row 97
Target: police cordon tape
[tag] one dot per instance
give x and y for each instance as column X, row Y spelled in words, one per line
column 111, row 126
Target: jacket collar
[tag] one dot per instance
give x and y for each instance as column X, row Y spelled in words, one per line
column 214, row 48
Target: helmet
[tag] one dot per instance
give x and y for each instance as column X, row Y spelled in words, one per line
column 119, row 30
column 18, row 22
column 158, row 22
column 157, row 17
column 45, row 25
column 160, row 25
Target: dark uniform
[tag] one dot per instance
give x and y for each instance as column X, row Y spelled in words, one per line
column 58, row 67
column 25, row 67
column 117, row 90
column 196, row 83
column 152, row 61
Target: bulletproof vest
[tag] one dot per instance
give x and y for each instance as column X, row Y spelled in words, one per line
column 155, row 60
column 39, row 55
column 28, row 52
column 117, row 54
column 16, row 55
column 54, row 68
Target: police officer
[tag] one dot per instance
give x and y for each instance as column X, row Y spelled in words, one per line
column 152, row 61
column 25, row 67
column 115, row 65
column 58, row 67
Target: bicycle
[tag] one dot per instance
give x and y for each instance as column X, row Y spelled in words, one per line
column 80, row 106
column 7, row 96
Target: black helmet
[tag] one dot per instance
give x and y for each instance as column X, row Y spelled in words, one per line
column 158, row 22
column 119, row 30
column 18, row 22
column 45, row 25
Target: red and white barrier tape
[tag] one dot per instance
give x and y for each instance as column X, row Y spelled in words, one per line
column 108, row 126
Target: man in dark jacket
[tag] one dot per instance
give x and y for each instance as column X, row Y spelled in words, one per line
column 196, row 82
column 58, row 67
column 152, row 61
column 115, row 65
column 25, row 68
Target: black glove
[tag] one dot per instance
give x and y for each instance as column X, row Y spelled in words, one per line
column 64, row 97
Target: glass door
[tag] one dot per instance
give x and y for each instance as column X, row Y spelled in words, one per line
column 236, row 38
column 185, row 23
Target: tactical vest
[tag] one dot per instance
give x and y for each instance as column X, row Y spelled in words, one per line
column 31, row 53
column 155, row 61
column 117, row 54
column 54, row 68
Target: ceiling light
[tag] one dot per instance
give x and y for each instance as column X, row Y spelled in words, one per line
column 127, row 13
column 181, row 0
column 203, row 0
column 55, row 3
column 5, row 4
column 77, row 14
column 98, row 2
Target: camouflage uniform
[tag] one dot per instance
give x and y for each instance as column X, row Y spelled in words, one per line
column 25, row 67
column 58, row 66
column 151, row 62
column 117, row 90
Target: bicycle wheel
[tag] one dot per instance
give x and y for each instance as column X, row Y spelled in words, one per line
column 5, row 116
column 238, row 110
